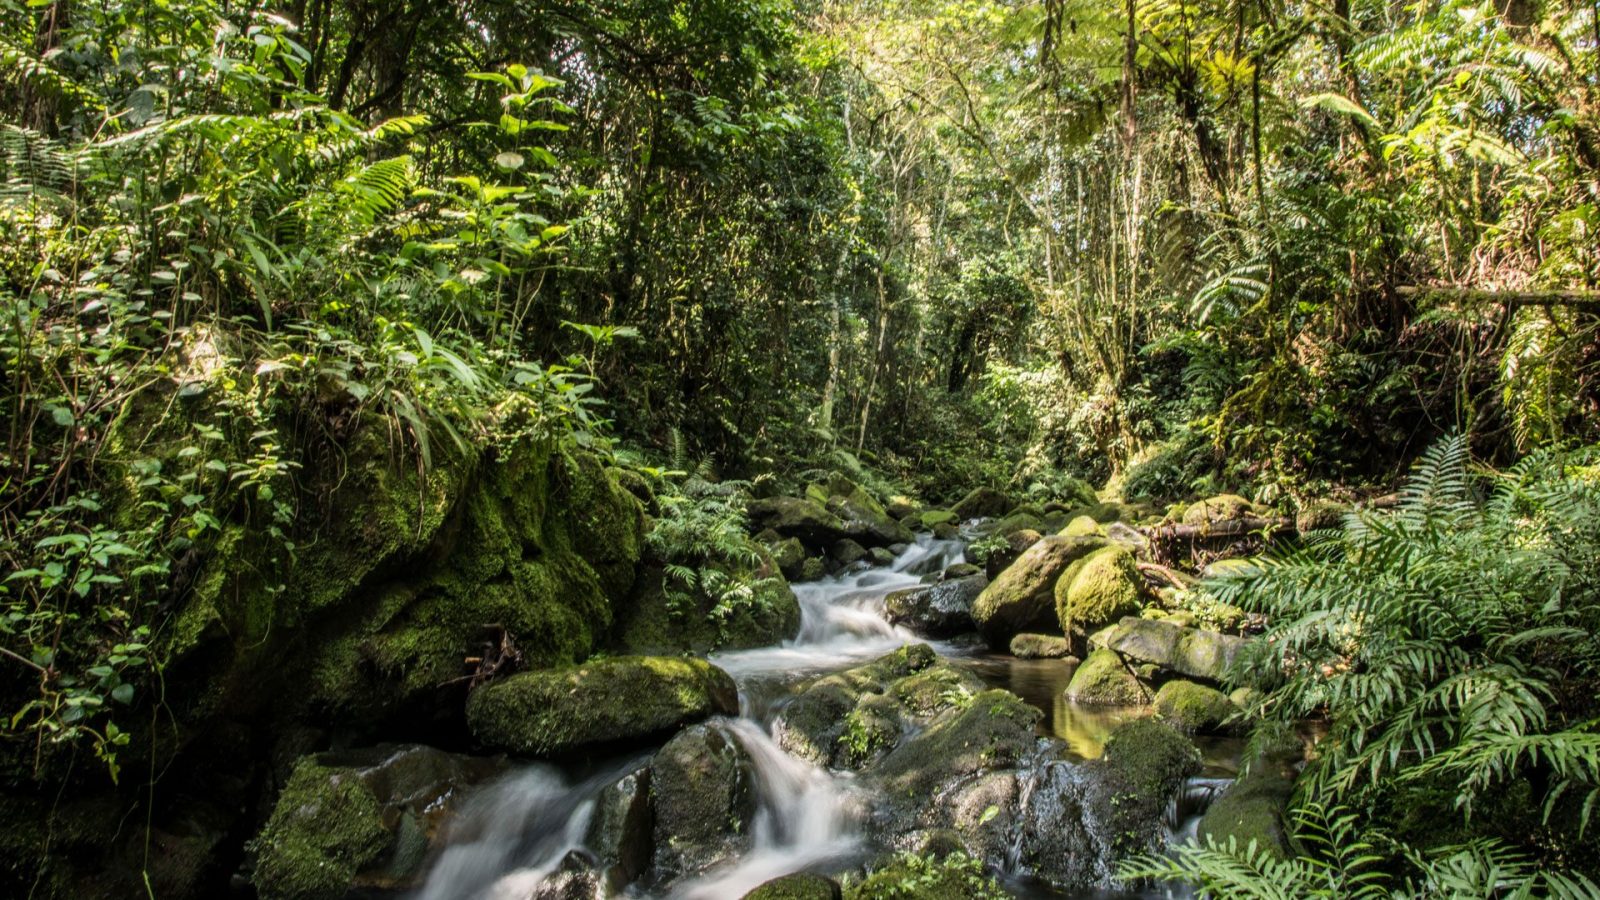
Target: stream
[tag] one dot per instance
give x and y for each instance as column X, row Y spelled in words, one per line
column 513, row 834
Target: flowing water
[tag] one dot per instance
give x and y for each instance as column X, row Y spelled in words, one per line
column 518, row 831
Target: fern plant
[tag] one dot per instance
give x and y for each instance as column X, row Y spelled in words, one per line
column 1449, row 642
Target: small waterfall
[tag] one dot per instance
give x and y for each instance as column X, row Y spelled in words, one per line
column 806, row 816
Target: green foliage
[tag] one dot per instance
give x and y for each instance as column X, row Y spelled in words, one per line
column 1452, row 639
column 914, row 875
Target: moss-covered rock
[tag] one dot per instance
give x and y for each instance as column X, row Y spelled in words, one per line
column 937, row 611
column 900, row 506
column 1097, row 590
column 1103, row 679
column 813, row 569
column 1014, row 523
column 803, row 518
column 1320, row 515
column 1022, row 598
column 1082, row 526
column 862, row 513
column 1220, row 508
column 1040, row 646
column 788, row 554
column 955, row 876
column 1144, row 765
column 1191, row 652
column 620, row 830
column 981, row 503
column 656, row 621
column 803, row 886
column 1191, row 707
column 595, row 705
column 1255, row 806
column 846, row 552
column 703, row 790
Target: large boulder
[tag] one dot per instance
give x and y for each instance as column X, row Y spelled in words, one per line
column 1220, row 508
column 1145, row 765
column 863, row 514
column 1191, row 652
column 1254, row 808
column 1098, row 590
column 982, row 503
column 802, row 518
column 703, row 790
column 665, row 618
column 937, row 611
column 1022, row 598
column 360, row 820
column 1192, row 707
column 1103, row 679
column 597, row 705
column 788, row 554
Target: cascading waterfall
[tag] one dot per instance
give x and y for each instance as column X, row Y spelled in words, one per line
column 517, row 832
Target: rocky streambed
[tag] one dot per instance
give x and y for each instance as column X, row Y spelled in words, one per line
column 855, row 747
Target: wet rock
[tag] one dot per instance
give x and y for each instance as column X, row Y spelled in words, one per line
column 1041, row 646
column 864, row 515
column 1103, row 679
column 1191, row 652
column 619, row 833
column 659, row 621
column 846, row 552
column 1022, row 598
column 900, row 506
column 946, row 531
column 1143, row 768
column 844, row 720
column 360, row 819
column 933, row 518
column 882, row 556
column 1195, row 708
column 939, row 611
column 1220, row 508
column 981, row 503
column 576, row 878
column 797, row 887
column 813, row 569
column 588, row 707
column 1097, row 590
column 961, row 570
column 702, row 787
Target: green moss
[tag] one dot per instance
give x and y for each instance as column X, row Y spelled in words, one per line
column 588, row 707
column 1103, row 680
column 934, row 517
column 1251, row 810
column 325, row 829
column 913, row 877
column 1082, row 526
column 1191, row 707
column 796, row 887
column 1147, row 763
column 1320, row 515
column 1099, row 589
column 1217, row 509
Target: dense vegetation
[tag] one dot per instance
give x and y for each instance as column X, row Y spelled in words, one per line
column 1174, row 247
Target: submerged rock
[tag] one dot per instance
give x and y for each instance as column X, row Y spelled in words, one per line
column 703, row 790
column 938, row 611
column 1022, row 598
column 588, row 707
column 1190, row 707
column 1040, row 646
column 1102, row 679
column 1192, row 652
column 359, row 819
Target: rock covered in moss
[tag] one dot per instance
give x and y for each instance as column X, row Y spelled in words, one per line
column 1144, row 765
column 1191, row 707
column 1191, row 652
column 813, row 569
column 863, row 514
column 802, row 886
column 900, row 506
column 932, row 518
column 955, row 876
column 796, row 517
column 938, row 611
column 585, row 708
column 703, row 790
column 663, row 617
column 1255, row 806
column 359, row 819
column 788, row 554
column 1320, row 515
column 1022, row 598
column 981, row 503
column 1097, row 590
column 1220, row 508
column 1081, row 526
column 1103, row 679
column 1040, row 646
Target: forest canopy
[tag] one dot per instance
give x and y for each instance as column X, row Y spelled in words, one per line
column 1173, row 248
